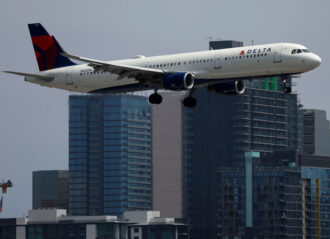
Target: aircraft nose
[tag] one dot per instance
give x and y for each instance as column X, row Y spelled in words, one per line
column 315, row 61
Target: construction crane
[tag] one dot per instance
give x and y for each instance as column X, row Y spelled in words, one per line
column 4, row 185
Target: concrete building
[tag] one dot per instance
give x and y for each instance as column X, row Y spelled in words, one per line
column 56, row 224
column 167, row 155
column 149, row 224
column 109, row 154
column 316, row 132
column 50, row 189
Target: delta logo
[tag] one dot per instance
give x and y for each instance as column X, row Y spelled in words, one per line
column 253, row 51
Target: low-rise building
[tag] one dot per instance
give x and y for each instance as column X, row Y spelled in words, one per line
column 56, row 224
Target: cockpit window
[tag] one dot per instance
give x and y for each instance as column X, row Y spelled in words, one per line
column 297, row 51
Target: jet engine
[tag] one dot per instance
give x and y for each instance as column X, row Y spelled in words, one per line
column 228, row 88
column 178, row 81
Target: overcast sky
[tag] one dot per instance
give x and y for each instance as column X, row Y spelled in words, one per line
column 34, row 119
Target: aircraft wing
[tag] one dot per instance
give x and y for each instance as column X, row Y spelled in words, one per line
column 141, row 74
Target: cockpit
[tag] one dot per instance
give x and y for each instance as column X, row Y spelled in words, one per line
column 297, row 51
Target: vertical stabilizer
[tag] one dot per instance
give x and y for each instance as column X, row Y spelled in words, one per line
column 47, row 49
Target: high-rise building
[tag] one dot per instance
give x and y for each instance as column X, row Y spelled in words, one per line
column 259, row 201
column 218, row 132
column 316, row 132
column 50, row 189
column 315, row 174
column 109, row 154
column 216, row 45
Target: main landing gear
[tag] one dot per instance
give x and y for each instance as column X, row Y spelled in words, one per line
column 190, row 101
column 155, row 98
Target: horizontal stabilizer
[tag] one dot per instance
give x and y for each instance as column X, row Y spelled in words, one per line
column 40, row 77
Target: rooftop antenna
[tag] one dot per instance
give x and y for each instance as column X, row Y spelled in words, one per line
column 252, row 42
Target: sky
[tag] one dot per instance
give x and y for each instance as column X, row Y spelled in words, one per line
column 34, row 119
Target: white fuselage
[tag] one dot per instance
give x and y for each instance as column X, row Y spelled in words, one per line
column 207, row 67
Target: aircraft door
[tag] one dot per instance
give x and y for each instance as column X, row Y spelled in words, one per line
column 277, row 55
column 217, row 62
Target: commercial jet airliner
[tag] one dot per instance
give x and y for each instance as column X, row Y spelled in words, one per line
column 222, row 71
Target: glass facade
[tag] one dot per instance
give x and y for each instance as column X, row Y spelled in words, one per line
column 50, row 189
column 316, row 132
column 218, row 132
column 316, row 191
column 109, row 154
column 275, row 203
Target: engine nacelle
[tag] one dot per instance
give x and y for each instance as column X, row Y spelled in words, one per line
column 229, row 88
column 178, row 81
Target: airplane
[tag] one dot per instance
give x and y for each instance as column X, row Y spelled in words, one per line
column 223, row 71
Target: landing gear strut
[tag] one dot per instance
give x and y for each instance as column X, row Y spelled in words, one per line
column 155, row 98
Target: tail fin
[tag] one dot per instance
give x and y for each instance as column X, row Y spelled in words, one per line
column 47, row 50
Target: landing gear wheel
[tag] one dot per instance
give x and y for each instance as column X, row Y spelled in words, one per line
column 287, row 90
column 155, row 98
column 190, row 102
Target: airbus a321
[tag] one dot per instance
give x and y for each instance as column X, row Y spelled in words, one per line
column 222, row 71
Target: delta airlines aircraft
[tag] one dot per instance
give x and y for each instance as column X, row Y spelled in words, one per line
column 222, row 71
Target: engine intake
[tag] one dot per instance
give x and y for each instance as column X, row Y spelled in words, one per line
column 178, row 81
column 229, row 88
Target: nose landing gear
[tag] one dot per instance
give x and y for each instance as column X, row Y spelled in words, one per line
column 286, row 87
